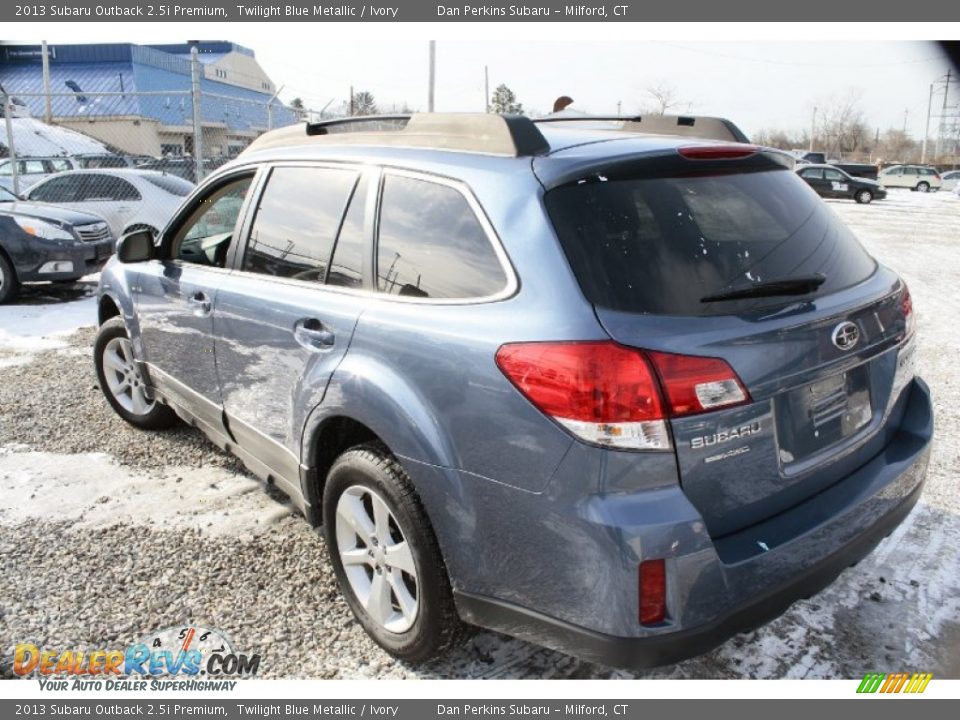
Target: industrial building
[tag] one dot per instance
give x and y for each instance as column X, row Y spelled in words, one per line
column 137, row 98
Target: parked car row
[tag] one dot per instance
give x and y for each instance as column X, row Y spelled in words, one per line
column 65, row 225
column 128, row 199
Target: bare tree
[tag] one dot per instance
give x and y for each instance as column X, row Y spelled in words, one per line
column 842, row 129
column 663, row 98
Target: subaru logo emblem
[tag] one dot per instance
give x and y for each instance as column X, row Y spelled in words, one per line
column 845, row 335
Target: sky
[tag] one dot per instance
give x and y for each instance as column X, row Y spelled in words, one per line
column 758, row 85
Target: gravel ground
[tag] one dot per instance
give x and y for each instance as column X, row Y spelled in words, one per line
column 107, row 533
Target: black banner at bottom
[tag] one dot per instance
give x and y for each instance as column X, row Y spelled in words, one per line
column 421, row 709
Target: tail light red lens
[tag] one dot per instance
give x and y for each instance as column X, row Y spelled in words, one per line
column 697, row 384
column 609, row 394
column 717, row 152
column 906, row 305
column 602, row 392
column 653, row 592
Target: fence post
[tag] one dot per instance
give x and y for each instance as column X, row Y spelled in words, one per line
column 11, row 145
column 197, row 124
column 47, row 104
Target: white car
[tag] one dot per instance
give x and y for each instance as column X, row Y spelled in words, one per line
column 31, row 170
column 921, row 178
column 128, row 199
column 951, row 180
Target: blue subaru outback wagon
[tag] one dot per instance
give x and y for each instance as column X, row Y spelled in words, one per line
column 622, row 388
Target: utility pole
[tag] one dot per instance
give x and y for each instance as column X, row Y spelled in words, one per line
column 486, row 88
column 906, row 112
column 619, row 105
column 433, row 76
column 351, row 101
column 270, row 107
column 11, row 144
column 926, row 131
column 195, row 71
column 943, row 115
column 47, row 105
column 813, row 128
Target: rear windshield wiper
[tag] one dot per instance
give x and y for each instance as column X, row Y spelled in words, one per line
column 786, row 286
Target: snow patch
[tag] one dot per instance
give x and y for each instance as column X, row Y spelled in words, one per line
column 90, row 490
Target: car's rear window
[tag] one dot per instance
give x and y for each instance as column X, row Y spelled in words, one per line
column 659, row 245
column 173, row 184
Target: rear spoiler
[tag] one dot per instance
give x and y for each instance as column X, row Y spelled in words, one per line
column 693, row 126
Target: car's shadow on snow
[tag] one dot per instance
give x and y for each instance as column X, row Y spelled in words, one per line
column 54, row 293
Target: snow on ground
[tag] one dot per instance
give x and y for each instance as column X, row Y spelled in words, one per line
column 899, row 609
column 90, row 490
column 43, row 316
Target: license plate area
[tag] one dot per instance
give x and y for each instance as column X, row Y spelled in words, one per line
column 814, row 417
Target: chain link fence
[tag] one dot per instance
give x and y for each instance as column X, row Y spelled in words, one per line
column 129, row 157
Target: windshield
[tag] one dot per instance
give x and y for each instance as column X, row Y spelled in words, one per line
column 660, row 244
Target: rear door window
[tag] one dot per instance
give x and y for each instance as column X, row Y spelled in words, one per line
column 107, row 187
column 297, row 219
column 432, row 245
column 660, row 244
column 63, row 189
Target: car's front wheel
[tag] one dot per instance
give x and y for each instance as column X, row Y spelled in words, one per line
column 863, row 197
column 923, row 187
column 9, row 283
column 122, row 382
column 385, row 556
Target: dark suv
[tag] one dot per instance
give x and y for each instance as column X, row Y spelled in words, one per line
column 616, row 393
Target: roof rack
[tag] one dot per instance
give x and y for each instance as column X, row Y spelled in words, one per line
column 694, row 126
column 510, row 135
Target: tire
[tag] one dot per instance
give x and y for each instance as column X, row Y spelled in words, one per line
column 121, row 381
column 359, row 479
column 923, row 187
column 9, row 283
column 864, row 197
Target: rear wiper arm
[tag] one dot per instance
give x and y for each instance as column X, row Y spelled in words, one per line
column 786, row 286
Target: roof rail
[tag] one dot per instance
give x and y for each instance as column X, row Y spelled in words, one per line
column 510, row 135
column 694, row 126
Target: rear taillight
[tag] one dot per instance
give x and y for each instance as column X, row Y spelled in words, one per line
column 602, row 392
column 697, row 384
column 717, row 152
column 906, row 306
column 653, row 592
column 610, row 395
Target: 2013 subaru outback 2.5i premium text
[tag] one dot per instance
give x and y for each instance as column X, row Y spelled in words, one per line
column 622, row 394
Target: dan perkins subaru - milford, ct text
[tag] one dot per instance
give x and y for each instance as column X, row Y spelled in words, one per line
column 528, row 11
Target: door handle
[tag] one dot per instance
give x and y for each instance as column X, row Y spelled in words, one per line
column 312, row 334
column 200, row 303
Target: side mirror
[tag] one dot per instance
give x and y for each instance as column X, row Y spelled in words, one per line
column 136, row 247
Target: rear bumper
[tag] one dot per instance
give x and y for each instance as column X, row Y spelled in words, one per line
column 731, row 587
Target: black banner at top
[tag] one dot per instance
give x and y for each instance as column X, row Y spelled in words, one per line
column 435, row 11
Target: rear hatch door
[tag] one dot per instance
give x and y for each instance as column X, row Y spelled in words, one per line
column 651, row 243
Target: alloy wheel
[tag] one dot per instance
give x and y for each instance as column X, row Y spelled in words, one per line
column 376, row 559
column 124, row 378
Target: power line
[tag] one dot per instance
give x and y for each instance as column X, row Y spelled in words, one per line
column 771, row 61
